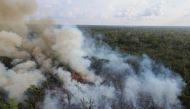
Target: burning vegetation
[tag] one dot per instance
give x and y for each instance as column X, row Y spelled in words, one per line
column 44, row 67
column 79, row 78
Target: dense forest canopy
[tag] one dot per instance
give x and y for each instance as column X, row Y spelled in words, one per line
column 168, row 45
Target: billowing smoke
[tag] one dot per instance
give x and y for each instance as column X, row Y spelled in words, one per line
column 90, row 95
column 17, row 80
column 17, row 77
column 13, row 14
column 128, row 81
column 11, row 10
column 141, row 80
column 86, row 74
column 154, row 81
column 9, row 43
column 68, row 46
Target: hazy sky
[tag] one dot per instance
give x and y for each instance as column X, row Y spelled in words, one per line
column 117, row 12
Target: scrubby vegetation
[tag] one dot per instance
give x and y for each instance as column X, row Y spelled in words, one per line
column 167, row 45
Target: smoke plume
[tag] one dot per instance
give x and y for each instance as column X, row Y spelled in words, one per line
column 68, row 45
column 81, row 72
column 18, row 80
column 13, row 14
column 9, row 43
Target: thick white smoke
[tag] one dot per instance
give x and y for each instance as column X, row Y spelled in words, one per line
column 11, row 10
column 143, row 81
column 18, row 80
column 34, row 43
column 99, row 94
column 13, row 31
column 110, row 79
column 9, row 43
column 13, row 14
column 160, row 86
column 68, row 45
column 142, row 77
